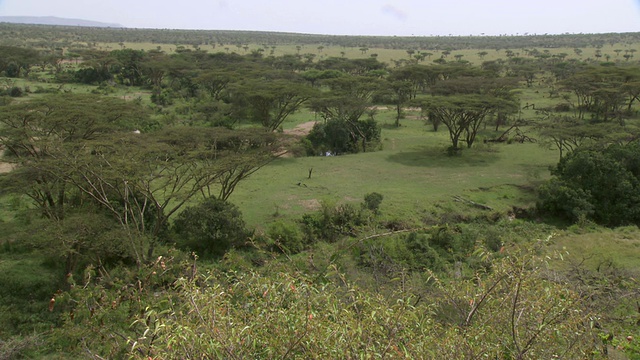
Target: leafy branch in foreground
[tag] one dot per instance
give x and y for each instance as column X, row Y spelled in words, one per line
column 516, row 310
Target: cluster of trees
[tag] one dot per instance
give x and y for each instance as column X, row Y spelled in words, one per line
column 594, row 129
column 64, row 36
column 223, row 89
column 79, row 154
column 601, row 185
column 605, row 92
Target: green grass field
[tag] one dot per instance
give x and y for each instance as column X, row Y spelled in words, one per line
column 412, row 171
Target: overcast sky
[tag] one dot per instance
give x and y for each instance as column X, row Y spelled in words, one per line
column 350, row 17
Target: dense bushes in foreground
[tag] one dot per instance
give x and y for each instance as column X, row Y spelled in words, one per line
column 514, row 311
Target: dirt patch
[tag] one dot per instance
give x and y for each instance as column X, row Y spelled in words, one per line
column 387, row 108
column 301, row 130
column 6, row 167
column 135, row 95
column 312, row 204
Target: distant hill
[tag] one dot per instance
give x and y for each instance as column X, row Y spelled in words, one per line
column 52, row 20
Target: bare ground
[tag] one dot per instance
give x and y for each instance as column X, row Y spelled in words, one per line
column 5, row 167
column 311, row 204
column 302, row 129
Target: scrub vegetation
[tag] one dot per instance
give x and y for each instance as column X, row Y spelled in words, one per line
column 169, row 194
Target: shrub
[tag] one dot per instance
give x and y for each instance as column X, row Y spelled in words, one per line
column 175, row 312
column 342, row 137
column 287, row 237
column 210, row 228
column 603, row 186
column 332, row 221
column 15, row 92
column 562, row 107
column 372, row 201
column 423, row 255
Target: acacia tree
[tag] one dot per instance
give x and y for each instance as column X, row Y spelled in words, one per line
column 463, row 115
column 347, row 101
column 155, row 67
column 81, row 148
column 400, row 92
column 15, row 61
column 214, row 82
column 129, row 66
column 272, row 101
column 462, row 104
column 420, row 77
column 568, row 134
column 603, row 91
column 95, row 67
column 143, row 179
column 33, row 132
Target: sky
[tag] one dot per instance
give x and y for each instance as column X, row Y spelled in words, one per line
column 350, row 17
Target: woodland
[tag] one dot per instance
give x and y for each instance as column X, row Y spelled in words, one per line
column 171, row 194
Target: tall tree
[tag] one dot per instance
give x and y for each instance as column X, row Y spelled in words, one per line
column 34, row 132
column 15, row 61
column 271, row 101
column 347, row 101
column 463, row 103
column 603, row 91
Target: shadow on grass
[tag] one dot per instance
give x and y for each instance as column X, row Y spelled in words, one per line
column 283, row 161
column 391, row 126
column 435, row 156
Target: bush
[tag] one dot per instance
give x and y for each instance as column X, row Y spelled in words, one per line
column 372, row 202
column 210, row 228
column 15, row 92
column 557, row 198
column 423, row 255
column 562, row 107
column 332, row 221
column 287, row 237
column 91, row 76
column 162, row 97
column 343, row 137
column 602, row 186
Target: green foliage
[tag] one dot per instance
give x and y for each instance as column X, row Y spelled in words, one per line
column 555, row 197
column 110, row 195
column 423, row 255
column 599, row 185
column 287, row 237
column 605, row 92
column 86, row 76
column 513, row 311
column 14, row 92
column 100, row 309
column 436, row 249
column 210, row 228
column 372, row 202
column 333, row 222
column 332, row 137
column 339, row 137
column 26, row 285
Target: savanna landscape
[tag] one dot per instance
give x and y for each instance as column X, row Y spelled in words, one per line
column 174, row 194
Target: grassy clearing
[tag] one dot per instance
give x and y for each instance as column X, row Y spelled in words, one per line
column 412, row 171
column 598, row 247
